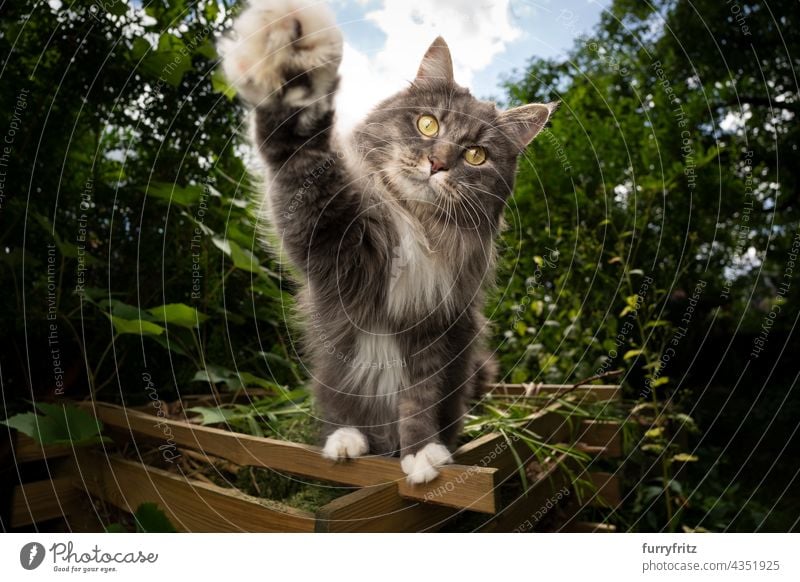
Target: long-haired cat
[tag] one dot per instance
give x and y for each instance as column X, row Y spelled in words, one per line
column 393, row 231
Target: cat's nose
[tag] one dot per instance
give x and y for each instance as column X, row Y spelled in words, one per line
column 437, row 165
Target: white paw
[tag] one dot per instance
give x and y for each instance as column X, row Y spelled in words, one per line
column 422, row 467
column 274, row 41
column 345, row 443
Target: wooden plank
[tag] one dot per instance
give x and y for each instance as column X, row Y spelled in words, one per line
column 602, row 433
column 42, row 500
column 608, row 489
column 541, row 497
column 598, row 392
column 28, row 450
column 493, row 450
column 192, row 506
column 380, row 509
column 589, row 527
column 457, row 485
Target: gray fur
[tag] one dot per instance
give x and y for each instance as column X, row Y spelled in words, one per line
column 336, row 209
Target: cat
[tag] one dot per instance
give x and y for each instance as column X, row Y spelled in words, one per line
column 391, row 229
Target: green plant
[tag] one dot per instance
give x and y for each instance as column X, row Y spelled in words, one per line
column 59, row 424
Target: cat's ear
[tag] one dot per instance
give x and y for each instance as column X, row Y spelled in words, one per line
column 437, row 64
column 524, row 123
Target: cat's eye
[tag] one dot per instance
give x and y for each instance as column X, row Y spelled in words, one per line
column 475, row 155
column 428, row 125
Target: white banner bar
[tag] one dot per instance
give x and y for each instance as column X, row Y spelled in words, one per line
column 403, row 557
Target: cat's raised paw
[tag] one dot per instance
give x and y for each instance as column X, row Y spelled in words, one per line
column 422, row 467
column 345, row 443
column 283, row 49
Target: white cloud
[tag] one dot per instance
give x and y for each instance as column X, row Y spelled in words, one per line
column 475, row 31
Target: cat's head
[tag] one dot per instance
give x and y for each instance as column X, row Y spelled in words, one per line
column 444, row 153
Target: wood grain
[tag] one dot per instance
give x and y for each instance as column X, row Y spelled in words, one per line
column 43, row 500
column 457, row 485
column 380, row 509
column 28, row 450
column 191, row 506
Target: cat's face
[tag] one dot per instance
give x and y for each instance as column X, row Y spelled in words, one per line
column 444, row 153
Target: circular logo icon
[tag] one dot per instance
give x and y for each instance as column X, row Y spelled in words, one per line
column 31, row 555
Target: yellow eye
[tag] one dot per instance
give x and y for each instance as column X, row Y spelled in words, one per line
column 475, row 155
column 428, row 125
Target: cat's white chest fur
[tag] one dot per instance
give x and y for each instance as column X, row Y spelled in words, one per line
column 418, row 283
column 378, row 368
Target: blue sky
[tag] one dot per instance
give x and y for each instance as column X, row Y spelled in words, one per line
column 489, row 39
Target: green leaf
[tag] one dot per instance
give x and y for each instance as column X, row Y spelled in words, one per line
column 114, row 8
column 178, row 314
column 135, row 326
column 169, row 62
column 242, row 258
column 26, row 423
column 632, row 354
column 220, row 85
column 654, row 432
column 59, row 424
column 214, row 374
column 215, row 415
column 685, row 458
column 150, row 519
column 253, row 380
column 123, row 310
column 183, row 196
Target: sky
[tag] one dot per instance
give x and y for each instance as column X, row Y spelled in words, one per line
column 488, row 39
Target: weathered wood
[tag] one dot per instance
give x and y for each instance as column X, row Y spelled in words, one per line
column 598, row 392
column 602, row 433
column 380, row 509
column 607, row 489
column 588, row 527
column 191, row 506
column 457, row 486
column 42, row 500
column 541, row 497
column 28, row 450
column 599, row 438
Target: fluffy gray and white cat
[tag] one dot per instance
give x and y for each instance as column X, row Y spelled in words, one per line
column 393, row 230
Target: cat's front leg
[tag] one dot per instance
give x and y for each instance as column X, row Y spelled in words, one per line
column 421, row 450
column 345, row 443
column 284, row 52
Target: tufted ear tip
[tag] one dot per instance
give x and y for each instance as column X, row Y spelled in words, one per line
column 437, row 64
column 524, row 123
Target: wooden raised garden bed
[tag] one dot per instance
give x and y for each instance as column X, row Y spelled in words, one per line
column 374, row 495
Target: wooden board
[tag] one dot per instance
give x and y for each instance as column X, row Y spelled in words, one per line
column 192, row 506
column 540, row 497
column 599, row 438
column 608, row 489
column 589, row 527
column 380, row 509
column 42, row 500
column 28, row 450
column 602, row 433
column 457, row 486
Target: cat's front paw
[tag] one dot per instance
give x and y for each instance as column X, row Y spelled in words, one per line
column 283, row 49
column 345, row 443
column 422, row 467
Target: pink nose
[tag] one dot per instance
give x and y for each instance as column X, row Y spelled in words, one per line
column 437, row 165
